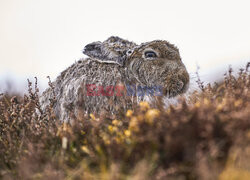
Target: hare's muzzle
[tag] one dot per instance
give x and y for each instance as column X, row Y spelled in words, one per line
column 176, row 83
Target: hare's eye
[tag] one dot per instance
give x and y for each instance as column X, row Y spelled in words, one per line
column 150, row 54
column 129, row 51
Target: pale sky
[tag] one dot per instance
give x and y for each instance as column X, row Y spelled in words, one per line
column 43, row 37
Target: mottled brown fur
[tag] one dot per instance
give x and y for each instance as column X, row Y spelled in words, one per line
column 165, row 70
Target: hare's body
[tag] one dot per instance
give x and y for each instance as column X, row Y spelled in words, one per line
column 71, row 88
column 101, row 81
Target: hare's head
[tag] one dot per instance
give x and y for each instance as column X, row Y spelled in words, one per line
column 158, row 63
column 155, row 63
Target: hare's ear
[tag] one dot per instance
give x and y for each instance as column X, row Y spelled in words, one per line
column 101, row 53
column 93, row 50
column 112, row 50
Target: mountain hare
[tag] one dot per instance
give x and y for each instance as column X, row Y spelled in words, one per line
column 115, row 75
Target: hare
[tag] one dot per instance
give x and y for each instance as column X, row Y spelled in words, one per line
column 115, row 75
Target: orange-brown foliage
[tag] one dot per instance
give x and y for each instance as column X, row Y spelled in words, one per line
column 206, row 137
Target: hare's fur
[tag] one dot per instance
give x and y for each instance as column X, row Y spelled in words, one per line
column 111, row 64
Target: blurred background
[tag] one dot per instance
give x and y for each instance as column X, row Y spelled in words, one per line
column 40, row 38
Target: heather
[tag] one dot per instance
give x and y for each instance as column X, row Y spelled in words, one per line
column 204, row 136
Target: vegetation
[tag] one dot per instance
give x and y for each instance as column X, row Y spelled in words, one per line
column 204, row 137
